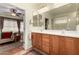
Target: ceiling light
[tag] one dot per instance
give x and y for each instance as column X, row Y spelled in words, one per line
column 13, row 14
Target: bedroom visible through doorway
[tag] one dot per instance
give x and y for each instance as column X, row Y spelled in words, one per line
column 11, row 28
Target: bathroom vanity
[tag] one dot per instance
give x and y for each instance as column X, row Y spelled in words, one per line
column 59, row 35
column 55, row 44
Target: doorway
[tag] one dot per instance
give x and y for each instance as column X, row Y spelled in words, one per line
column 11, row 29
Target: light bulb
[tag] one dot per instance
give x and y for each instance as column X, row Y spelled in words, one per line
column 69, row 19
column 13, row 14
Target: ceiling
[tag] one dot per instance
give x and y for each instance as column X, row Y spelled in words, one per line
column 5, row 7
column 32, row 6
column 36, row 5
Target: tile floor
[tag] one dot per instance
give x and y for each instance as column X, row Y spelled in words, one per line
column 33, row 53
column 11, row 48
column 15, row 48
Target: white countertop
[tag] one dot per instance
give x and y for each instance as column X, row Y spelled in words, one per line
column 59, row 32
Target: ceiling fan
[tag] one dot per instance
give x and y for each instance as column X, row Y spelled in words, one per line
column 15, row 12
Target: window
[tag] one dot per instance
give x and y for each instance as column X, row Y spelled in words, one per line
column 10, row 25
column 59, row 23
column 60, row 20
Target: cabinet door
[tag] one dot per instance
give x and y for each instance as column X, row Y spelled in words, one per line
column 33, row 40
column 38, row 40
column 70, row 46
column 54, row 44
column 62, row 49
column 45, row 43
column 77, row 45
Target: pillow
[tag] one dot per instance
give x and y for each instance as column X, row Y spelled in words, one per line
column 6, row 35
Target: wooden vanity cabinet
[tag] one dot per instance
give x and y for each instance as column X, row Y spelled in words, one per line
column 45, row 43
column 62, row 49
column 33, row 36
column 77, row 45
column 70, row 46
column 55, row 44
column 36, row 40
column 39, row 40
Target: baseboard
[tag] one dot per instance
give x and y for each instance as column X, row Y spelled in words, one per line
column 28, row 50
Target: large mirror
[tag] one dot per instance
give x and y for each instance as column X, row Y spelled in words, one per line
column 77, row 19
column 37, row 20
column 63, row 18
column 59, row 23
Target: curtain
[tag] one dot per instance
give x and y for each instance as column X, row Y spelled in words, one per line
column 18, row 23
column 1, row 23
column 21, row 27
